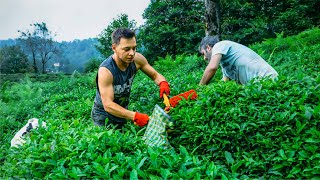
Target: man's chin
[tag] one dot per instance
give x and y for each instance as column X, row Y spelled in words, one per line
column 129, row 60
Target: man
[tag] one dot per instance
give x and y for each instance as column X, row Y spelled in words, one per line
column 238, row 62
column 114, row 80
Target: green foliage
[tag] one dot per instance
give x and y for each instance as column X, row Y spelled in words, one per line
column 247, row 127
column 104, row 39
column 248, row 21
column 302, row 49
column 177, row 28
column 19, row 77
column 266, row 130
column 244, row 22
column 18, row 102
column 13, row 60
column 92, row 65
column 297, row 16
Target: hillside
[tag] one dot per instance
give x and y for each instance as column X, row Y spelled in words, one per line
column 76, row 53
column 8, row 42
column 72, row 55
column 267, row 130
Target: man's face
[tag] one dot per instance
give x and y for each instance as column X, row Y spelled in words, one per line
column 207, row 52
column 125, row 50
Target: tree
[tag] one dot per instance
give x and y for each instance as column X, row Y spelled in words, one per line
column 29, row 42
column 296, row 16
column 172, row 27
column 39, row 42
column 92, row 65
column 13, row 60
column 213, row 18
column 104, row 38
column 250, row 21
column 47, row 47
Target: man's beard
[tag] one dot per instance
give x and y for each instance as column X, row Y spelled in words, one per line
column 208, row 56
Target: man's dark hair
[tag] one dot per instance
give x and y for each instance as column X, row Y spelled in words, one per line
column 208, row 40
column 122, row 33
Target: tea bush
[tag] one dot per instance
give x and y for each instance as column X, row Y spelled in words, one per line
column 261, row 130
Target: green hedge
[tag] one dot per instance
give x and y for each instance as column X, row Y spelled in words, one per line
column 261, row 130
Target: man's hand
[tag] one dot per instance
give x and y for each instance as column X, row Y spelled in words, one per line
column 141, row 119
column 164, row 88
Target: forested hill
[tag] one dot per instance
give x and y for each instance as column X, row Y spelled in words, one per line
column 76, row 53
column 8, row 42
column 73, row 54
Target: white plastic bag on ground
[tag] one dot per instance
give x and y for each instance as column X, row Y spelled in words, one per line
column 32, row 124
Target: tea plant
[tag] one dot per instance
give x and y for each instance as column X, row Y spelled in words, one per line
column 262, row 130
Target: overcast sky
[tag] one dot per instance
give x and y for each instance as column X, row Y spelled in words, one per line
column 70, row 19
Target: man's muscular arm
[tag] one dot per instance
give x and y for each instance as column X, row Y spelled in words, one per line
column 105, row 82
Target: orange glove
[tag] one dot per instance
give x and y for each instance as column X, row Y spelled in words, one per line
column 141, row 119
column 164, row 88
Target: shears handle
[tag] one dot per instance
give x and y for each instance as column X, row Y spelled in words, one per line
column 166, row 102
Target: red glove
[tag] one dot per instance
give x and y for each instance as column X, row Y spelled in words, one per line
column 191, row 94
column 141, row 119
column 164, row 88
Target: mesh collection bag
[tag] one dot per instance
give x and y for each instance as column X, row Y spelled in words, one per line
column 156, row 133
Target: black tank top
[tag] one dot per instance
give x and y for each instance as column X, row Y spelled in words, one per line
column 122, row 81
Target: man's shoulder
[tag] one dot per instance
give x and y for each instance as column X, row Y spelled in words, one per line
column 140, row 60
column 106, row 66
column 139, row 56
column 107, row 63
column 226, row 42
column 106, row 60
column 222, row 47
column 233, row 46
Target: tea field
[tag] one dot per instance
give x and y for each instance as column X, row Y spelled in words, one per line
column 268, row 130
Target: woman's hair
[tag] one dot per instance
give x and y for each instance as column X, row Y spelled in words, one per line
column 122, row 33
column 208, row 40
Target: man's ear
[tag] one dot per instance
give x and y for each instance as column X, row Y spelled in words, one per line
column 113, row 47
column 208, row 48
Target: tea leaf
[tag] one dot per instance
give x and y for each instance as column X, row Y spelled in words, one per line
column 134, row 175
column 228, row 157
column 141, row 162
column 236, row 166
